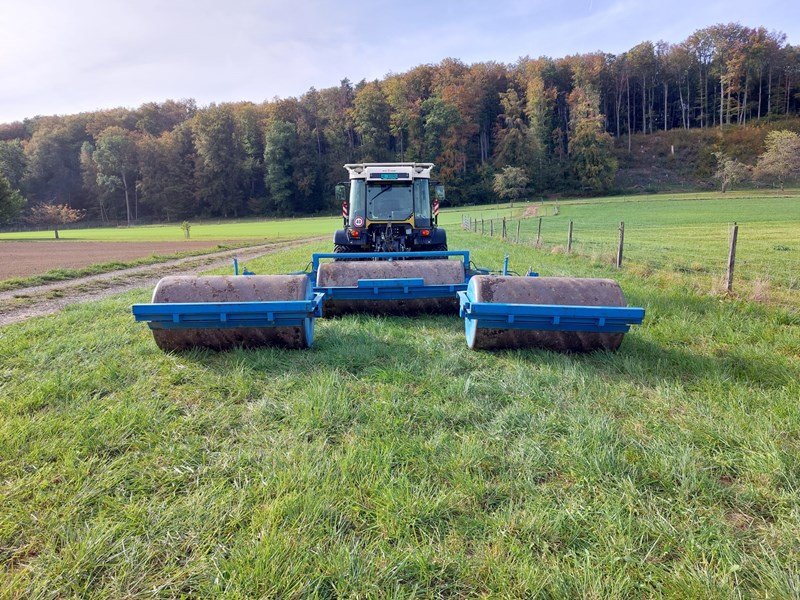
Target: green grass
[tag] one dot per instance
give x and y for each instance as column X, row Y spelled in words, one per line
column 687, row 236
column 274, row 229
column 391, row 461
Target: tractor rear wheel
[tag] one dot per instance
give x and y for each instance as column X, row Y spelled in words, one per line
column 438, row 248
column 342, row 249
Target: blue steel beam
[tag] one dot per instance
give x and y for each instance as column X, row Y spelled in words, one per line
column 221, row 315
column 317, row 256
column 549, row 317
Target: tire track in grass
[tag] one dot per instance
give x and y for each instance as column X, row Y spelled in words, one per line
column 35, row 301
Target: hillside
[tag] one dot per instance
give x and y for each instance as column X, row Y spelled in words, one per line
column 683, row 159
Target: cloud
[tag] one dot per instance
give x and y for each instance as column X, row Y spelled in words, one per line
column 61, row 57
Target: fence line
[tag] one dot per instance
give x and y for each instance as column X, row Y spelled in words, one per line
column 688, row 250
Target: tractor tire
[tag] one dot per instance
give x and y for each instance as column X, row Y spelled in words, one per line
column 341, row 249
column 438, row 248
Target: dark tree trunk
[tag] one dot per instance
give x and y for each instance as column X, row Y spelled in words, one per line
column 628, row 84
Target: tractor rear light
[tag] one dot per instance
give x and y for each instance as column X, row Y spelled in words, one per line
column 425, row 232
column 355, row 233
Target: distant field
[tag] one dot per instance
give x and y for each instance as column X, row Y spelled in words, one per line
column 279, row 229
column 274, row 230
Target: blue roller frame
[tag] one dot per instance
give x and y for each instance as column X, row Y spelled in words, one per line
column 545, row 317
column 302, row 313
column 220, row 315
column 391, row 289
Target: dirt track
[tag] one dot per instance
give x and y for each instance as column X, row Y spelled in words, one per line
column 22, row 259
column 24, row 303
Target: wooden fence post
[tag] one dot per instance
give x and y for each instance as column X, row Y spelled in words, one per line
column 491, row 227
column 482, row 232
column 504, row 228
column 539, row 233
column 731, row 257
column 621, row 243
column 569, row 238
column 475, row 225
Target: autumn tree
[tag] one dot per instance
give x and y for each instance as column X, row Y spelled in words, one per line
column 370, row 115
column 11, row 201
column 511, row 184
column 279, row 145
column 729, row 171
column 513, row 141
column 53, row 215
column 590, row 147
column 12, row 162
column 166, row 171
column 780, row 162
column 115, row 157
column 219, row 161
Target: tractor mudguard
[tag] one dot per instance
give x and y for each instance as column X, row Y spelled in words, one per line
column 340, row 238
column 439, row 236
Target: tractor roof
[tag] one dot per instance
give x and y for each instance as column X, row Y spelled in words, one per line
column 386, row 171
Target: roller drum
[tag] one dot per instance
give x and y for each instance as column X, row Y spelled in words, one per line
column 544, row 290
column 432, row 272
column 219, row 288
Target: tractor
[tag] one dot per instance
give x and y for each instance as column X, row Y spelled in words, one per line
column 389, row 207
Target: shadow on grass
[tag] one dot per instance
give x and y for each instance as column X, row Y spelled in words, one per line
column 358, row 343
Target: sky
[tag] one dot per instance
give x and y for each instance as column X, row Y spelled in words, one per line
column 67, row 56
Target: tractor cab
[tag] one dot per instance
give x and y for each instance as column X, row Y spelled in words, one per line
column 389, row 207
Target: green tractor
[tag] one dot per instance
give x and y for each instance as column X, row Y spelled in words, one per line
column 389, row 207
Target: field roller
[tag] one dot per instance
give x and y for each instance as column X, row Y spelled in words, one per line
column 391, row 258
column 500, row 311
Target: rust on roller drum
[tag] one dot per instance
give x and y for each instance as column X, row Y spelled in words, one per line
column 432, row 272
column 223, row 288
column 547, row 290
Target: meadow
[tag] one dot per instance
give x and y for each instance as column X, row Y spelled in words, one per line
column 226, row 230
column 391, row 461
column 682, row 237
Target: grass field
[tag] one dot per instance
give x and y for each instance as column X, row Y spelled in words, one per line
column 391, row 461
column 686, row 237
column 274, row 229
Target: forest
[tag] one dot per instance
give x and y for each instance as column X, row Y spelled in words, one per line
column 563, row 121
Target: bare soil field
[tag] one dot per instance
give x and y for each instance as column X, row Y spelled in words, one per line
column 21, row 259
column 36, row 300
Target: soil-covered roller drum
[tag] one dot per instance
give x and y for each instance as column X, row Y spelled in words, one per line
column 233, row 289
column 336, row 277
column 557, row 292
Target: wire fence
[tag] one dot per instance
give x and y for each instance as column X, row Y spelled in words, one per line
column 762, row 263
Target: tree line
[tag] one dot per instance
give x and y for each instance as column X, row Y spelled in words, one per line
column 558, row 120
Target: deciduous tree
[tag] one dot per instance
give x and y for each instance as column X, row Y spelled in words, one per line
column 780, row 162
column 511, row 184
column 54, row 215
column 11, row 202
column 729, row 171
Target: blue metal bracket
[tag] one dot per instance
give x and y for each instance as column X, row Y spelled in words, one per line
column 390, row 289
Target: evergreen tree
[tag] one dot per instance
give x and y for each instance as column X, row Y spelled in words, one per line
column 11, row 202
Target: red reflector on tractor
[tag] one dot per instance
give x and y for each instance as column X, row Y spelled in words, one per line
column 425, row 232
column 355, row 233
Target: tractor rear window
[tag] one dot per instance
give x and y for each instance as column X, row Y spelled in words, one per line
column 389, row 201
